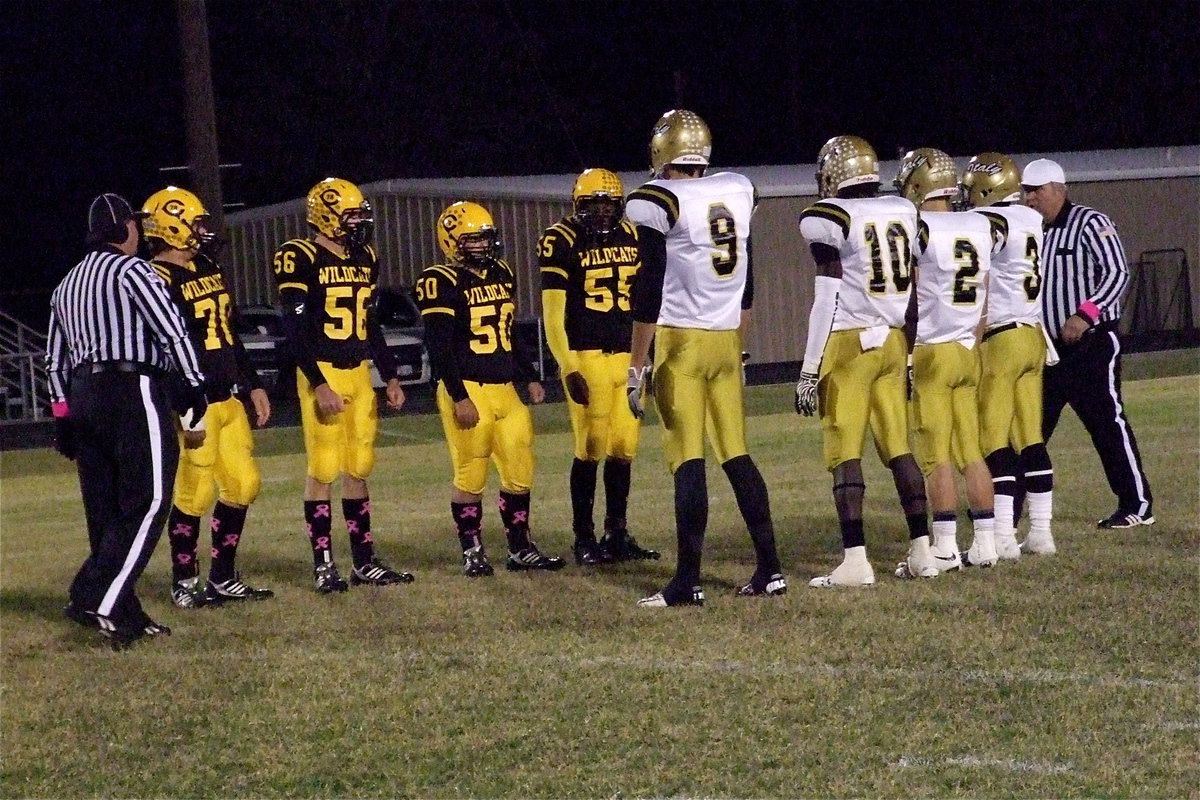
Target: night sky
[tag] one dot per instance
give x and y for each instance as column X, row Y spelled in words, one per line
column 409, row 88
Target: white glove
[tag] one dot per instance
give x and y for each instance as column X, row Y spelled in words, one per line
column 806, row 394
column 633, row 390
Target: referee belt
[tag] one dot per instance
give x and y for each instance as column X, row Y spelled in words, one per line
column 224, row 393
column 134, row 367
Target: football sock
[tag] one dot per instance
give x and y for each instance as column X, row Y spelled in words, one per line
column 616, row 487
column 357, row 512
column 227, row 525
column 514, row 511
column 945, row 531
column 852, row 534
column 468, row 521
column 583, row 499
column 983, row 523
column 755, row 506
column 1003, row 510
column 691, row 520
column 318, row 518
column 1002, row 464
column 910, row 487
column 184, row 534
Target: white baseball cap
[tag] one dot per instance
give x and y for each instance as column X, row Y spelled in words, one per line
column 1042, row 171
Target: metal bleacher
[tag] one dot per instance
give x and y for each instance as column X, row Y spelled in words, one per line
column 24, row 394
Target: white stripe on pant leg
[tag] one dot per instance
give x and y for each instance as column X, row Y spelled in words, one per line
column 156, row 463
column 1130, row 459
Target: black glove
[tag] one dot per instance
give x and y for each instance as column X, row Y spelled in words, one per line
column 64, row 437
column 192, row 406
column 577, row 387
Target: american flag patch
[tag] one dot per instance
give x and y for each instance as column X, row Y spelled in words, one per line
column 1109, row 231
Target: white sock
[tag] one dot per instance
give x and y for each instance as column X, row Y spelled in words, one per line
column 1040, row 512
column 856, row 555
column 1003, row 524
column 945, row 535
column 985, row 527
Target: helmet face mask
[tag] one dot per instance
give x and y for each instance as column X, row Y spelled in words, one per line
column 989, row 178
column 177, row 218
column 338, row 211
column 599, row 201
column 927, row 174
column 845, row 161
column 467, row 235
column 679, row 137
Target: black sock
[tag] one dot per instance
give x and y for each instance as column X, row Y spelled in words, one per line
column 227, row 525
column 183, row 532
column 318, row 518
column 583, row 499
column 1036, row 468
column 616, row 489
column 468, row 521
column 754, row 503
column 514, row 511
column 1002, row 463
column 852, row 533
column 357, row 513
column 691, row 520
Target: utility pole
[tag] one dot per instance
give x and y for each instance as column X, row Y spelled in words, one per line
column 199, row 110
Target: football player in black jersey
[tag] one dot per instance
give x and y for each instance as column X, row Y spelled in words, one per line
column 587, row 261
column 468, row 305
column 177, row 227
column 326, row 289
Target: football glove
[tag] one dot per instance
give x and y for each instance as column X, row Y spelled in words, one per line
column 806, row 394
column 633, row 390
column 577, row 388
column 193, row 405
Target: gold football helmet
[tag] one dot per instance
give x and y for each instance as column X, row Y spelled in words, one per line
column 926, row 174
column 177, row 217
column 679, row 137
column 845, row 161
column 338, row 210
column 989, row 178
column 466, row 234
column 599, row 200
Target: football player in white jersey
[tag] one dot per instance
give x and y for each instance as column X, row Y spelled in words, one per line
column 855, row 356
column 953, row 256
column 691, row 294
column 1014, row 352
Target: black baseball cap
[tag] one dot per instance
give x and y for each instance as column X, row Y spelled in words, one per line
column 107, row 213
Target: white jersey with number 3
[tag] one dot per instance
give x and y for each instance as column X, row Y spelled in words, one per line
column 954, row 254
column 1016, row 280
column 874, row 237
column 706, row 222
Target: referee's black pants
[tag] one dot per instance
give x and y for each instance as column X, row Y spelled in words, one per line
column 1088, row 379
column 128, row 454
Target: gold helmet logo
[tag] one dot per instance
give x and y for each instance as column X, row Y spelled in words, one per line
column 338, row 211
column 679, row 137
column 177, row 218
column 926, row 174
column 467, row 234
column 989, row 178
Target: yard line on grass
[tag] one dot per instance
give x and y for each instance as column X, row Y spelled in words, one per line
column 1007, row 764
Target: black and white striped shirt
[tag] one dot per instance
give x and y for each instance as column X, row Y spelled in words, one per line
column 114, row 307
column 1084, row 268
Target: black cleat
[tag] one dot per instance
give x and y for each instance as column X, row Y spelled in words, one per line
column 1120, row 520
column 328, row 580
column 188, row 593
column 670, row 597
column 623, row 547
column 78, row 615
column 234, row 589
column 376, row 573
column 119, row 635
column 590, row 554
column 476, row 564
column 531, row 558
column 771, row 586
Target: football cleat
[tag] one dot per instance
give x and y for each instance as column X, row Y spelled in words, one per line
column 152, row 628
column 475, row 563
column 81, row 616
column 946, row 562
column 376, row 573
column 234, row 589
column 328, row 580
column 1120, row 520
column 623, row 547
column 188, row 593
column 590, row 554
column 1039, row 545
column 771, row 586
column 119, row 635
column 532, row 558
column 670, row 597
column 982, row 552
column 1007, row 548
column 846, row 574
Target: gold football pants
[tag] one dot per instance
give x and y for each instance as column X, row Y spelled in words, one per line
column 504, row 435
column 225, row 461
column 857, row 387
column 605, row 427
column 344, row 442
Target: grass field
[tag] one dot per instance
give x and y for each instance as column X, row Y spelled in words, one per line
column 1068, row 676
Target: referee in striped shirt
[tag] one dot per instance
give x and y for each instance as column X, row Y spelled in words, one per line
column 114, row 336
column 1085, row 277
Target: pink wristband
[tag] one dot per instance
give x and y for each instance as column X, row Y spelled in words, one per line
column 1090, row 310
column 60, row 409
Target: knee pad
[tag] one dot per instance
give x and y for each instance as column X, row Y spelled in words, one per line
column 242, row 489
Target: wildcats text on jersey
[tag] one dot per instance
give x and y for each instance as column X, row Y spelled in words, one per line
column 344, row 273
column 595, row 256
column 476, row 295
column 204, row 285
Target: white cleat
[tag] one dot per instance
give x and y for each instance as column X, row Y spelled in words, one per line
column 917, row 566
column 856, row 574
column 1007, row 549
column 1041, row 545
column 946, row 562
column 982, row 553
